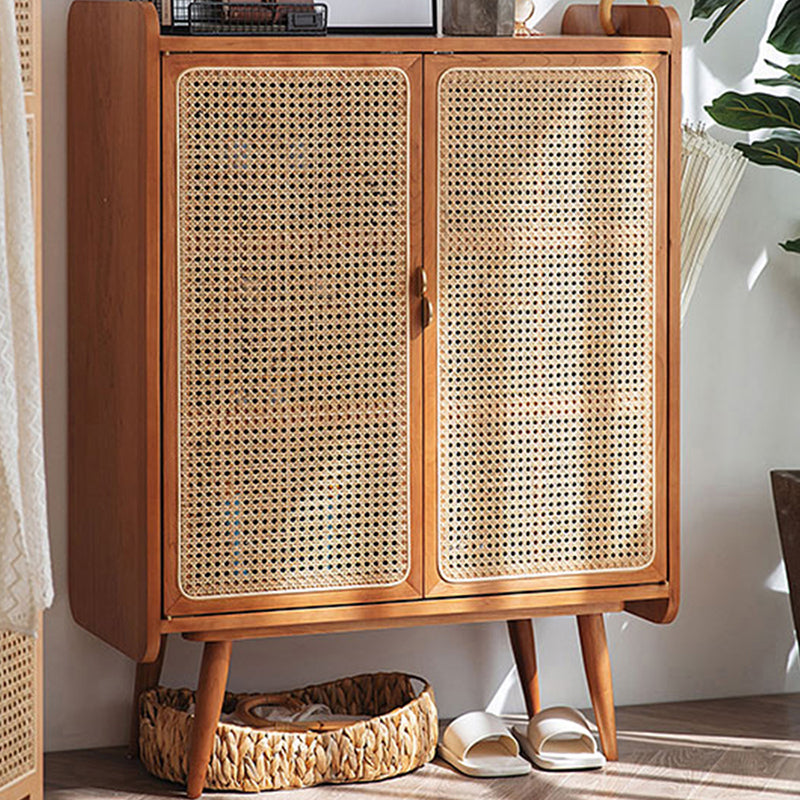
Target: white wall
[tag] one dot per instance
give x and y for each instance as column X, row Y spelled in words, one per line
column 741, row 417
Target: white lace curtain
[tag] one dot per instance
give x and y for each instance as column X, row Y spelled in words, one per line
column 26, row 586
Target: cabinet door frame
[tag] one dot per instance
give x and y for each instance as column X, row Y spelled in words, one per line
column 175, row 602
column 657, row 571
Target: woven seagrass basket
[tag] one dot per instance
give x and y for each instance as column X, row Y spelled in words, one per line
column 399, row 736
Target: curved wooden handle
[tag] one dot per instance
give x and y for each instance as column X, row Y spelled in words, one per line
column 605, row 15
column 245, row 706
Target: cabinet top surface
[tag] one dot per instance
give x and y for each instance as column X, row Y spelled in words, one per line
column 413, row 44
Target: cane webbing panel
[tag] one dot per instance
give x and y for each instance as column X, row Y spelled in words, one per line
column 546, row 269
column 293, row 208
column 17, row 706
column 23, row 14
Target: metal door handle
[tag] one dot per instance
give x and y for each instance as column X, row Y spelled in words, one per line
column 427, row 312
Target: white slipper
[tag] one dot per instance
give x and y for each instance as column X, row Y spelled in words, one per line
column 559, row 738
column 479, row 744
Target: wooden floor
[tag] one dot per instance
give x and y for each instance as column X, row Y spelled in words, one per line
column 735, row 748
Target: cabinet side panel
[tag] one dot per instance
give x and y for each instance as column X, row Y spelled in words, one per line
column 114, row 430
column 584, row 20
column 665, row 610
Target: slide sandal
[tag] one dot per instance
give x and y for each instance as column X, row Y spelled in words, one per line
column 559, row 738
column 479, row 744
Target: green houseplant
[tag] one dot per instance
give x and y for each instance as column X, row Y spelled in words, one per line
column 772, row 111
column 779, row 113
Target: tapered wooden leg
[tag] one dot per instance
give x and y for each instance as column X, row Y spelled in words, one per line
column 524, row 646
column 147, row 677
column 597, row 666
column 208, row 705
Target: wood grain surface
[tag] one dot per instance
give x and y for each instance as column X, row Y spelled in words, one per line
column 417, row 44
column 729, row 749
column 523, row 645
column 114, row 333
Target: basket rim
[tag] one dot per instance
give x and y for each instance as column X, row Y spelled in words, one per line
column 226, row 727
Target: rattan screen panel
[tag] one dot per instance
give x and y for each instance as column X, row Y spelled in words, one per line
column 293, row 329
column 23, row 13
column 18, row 706
column 546, row 321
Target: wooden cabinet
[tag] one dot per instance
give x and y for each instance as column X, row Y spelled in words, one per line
column 372, row 332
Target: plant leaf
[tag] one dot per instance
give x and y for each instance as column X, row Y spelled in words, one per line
column 787, row 81
column 703, row 9
column 749, row 112
column 724, row 15
column 792, row 246
column 790, row 77
column 789, row 69
column 785, row 36
column 777, row 151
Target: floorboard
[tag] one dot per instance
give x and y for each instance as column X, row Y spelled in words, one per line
column 730, row 749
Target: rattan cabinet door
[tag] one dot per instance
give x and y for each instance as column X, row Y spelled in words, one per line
column 292, row 344
column 545, row 363
column 25, row 15
column 20, row 712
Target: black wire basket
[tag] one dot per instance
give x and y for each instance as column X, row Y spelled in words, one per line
column 216, row 18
